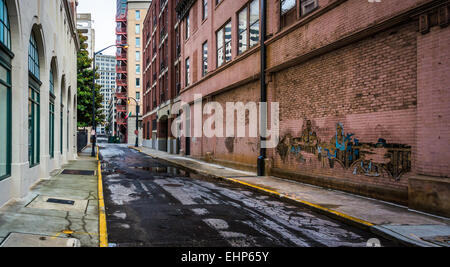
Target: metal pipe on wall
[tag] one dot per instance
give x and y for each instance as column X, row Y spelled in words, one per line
column 263, row 117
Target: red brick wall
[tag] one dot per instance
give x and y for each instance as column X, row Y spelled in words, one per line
column 348, row 18
column 369, row 87
column 240, row 150
column 206, row 32
column 379, row 78
column 433, row 115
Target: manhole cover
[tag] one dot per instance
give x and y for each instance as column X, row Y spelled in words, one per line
column 61, row 201
column 78, row 172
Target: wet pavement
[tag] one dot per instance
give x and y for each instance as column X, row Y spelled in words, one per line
column 150, row 203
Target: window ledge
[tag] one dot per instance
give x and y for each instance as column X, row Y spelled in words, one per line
column 34, row 165
column 303, row 20
column 4, row 177
column 218, row 5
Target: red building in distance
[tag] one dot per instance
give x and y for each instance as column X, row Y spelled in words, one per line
column 121, row 70
column 161, row 74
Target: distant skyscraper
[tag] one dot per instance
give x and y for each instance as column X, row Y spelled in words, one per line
column 122, row 71
column 107, row 71
column 136, row 12
column 129, row 18
column 84, row 24
column 112, row 115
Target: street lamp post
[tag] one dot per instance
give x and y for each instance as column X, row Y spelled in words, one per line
column 137, row 121
column 94, row 124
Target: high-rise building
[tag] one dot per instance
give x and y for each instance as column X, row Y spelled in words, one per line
column 121, row 70
column 106, row 69
column 137, row 10
column 85, row 26
column 112, row 115
column 129, row 18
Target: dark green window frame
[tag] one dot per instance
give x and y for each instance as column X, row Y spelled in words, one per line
column 5, row 32
column 34, row 122
column 51, row 117
column 5, row 83
column 33, row 57
column 6, row 57
column 51, row 135
column 61, row 130
column 34, row 85
column 67, row 131
column 52, row 83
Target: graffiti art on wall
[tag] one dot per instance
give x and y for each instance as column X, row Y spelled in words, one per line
column 375, row 160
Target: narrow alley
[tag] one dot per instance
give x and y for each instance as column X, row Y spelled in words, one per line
column 150, row 203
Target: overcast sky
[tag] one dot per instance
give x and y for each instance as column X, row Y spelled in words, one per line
column 103, row 13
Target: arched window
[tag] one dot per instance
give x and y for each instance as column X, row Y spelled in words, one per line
column 5, row 33
column 33, row 57
column 51, row 117
column 34, row 85
column 5, row 92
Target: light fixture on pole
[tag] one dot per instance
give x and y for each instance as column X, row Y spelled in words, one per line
column 137, row 120
column 94, row 125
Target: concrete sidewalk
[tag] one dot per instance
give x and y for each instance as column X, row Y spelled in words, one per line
column 35, row 222
column 389, row 220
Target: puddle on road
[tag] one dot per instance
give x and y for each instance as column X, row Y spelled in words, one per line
column 174, row 185
column 164, row 170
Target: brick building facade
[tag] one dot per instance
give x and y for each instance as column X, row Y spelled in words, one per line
column 363, row 90
column 161, row 74
column 122, row 71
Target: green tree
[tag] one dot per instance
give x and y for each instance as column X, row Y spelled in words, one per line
column 84, row 78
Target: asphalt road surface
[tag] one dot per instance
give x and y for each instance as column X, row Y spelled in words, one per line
column 152, row 204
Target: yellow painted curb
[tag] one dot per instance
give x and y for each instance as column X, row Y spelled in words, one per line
column 103, row 233
column 315, row 206
column 337, row 213
column 135, row 148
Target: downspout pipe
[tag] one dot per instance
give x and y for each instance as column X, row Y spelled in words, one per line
column 263, row 117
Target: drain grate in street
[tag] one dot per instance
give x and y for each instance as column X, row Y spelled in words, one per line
column 78, row 172
column 61, row 201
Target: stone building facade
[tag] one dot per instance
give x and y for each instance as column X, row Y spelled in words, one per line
column 136, row 11
column 363, row 89
column 86, row 27
column 38, row 92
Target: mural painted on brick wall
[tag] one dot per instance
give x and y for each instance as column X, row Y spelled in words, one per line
column 369, row 159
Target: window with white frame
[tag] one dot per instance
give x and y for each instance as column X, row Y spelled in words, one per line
column 223, row 44
column 248, row 29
